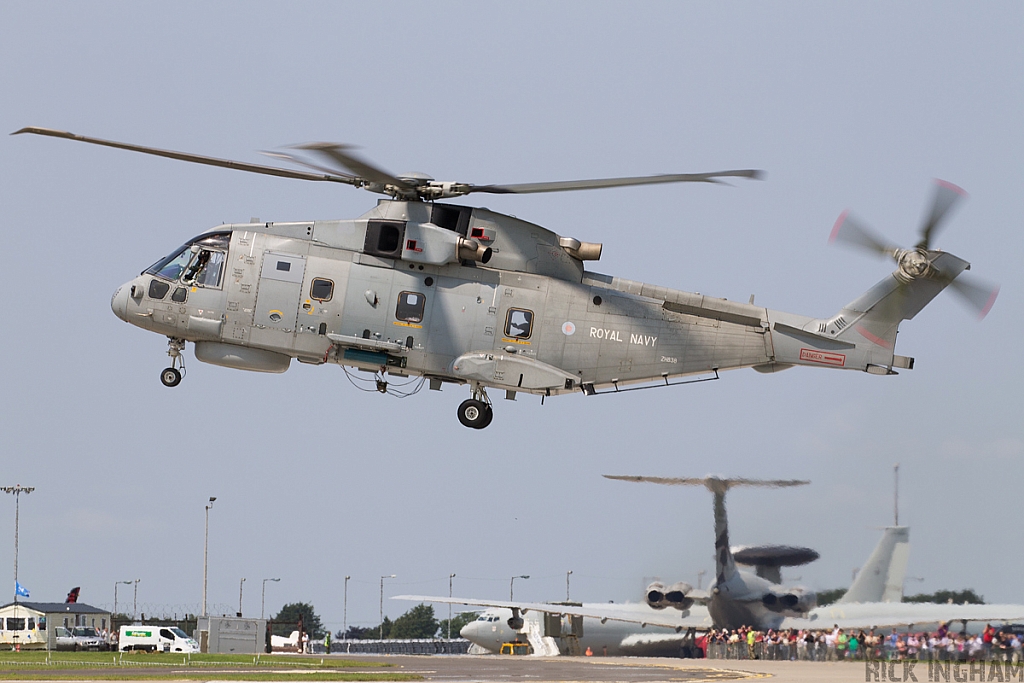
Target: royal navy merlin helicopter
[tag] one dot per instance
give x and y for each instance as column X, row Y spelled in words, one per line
column 443, row 293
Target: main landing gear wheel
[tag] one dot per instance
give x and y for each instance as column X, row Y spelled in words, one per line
column 475, row 414
column 170, row 377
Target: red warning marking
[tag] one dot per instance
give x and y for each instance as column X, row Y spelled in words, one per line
column 839, row 224
column 824, row 357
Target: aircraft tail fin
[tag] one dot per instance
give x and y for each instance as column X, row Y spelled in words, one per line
column 875, row 315
column 881, row 578
column 725, row 565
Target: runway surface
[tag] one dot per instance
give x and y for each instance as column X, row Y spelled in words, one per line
column 495, row 669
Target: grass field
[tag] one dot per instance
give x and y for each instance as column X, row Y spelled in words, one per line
column 113, row 666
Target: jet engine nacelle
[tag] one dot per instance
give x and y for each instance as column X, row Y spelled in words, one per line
column 660, row 597
column 793, row 600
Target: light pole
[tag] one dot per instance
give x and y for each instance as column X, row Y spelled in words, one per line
column 450, row 577
column 17, row 490
column 512, row 584
column 135, row 601
column 206, row 547
column 700, row 577
column 240, row 584
column 263, row 600
column 344, row 613
column 389, row 576
column 116, row 584
column 567, row 574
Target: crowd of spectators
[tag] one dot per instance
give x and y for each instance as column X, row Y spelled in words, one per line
column 824, row 645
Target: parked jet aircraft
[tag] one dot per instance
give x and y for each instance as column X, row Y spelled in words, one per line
column 570, row 628
column 736, row 598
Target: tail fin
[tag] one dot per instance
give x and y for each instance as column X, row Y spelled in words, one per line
column 881, row 578
column 725, row 566
column 875, row 315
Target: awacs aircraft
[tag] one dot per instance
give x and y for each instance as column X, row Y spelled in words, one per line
column 641, row 629
column 739, row 598
column 442, row 293
column 736, row 598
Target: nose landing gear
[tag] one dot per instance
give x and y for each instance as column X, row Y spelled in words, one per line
column 476, row 412
column 171, row 377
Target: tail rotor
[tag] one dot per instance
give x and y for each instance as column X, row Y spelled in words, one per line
column 920, row 260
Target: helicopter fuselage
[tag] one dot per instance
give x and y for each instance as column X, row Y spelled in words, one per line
column 457, row 294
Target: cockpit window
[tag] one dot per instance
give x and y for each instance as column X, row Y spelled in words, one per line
column 170, row 268
column 198, row 263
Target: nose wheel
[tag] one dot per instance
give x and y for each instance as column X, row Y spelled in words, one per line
column 171, row 377
column 476, row 412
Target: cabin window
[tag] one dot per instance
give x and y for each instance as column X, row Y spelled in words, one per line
column 158, row 289
column 165, row 633
column 321, row 289
column 519, row 323
column 410, row 307
column 180, row 294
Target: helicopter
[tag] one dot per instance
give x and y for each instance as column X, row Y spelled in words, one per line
column 433, row 292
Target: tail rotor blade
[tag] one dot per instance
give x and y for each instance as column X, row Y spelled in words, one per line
column 978, row 295
column 851, row 231
column 946, row 196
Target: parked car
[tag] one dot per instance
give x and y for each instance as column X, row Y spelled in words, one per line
column 86, row 638
column 63, row 640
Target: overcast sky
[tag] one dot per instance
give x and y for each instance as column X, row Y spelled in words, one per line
column 845, row 105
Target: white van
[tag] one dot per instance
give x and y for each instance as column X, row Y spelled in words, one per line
column 155, row 639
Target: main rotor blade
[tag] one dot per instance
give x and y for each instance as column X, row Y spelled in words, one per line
column 978, row 295
column 340, row 155
column 565, row 185
column 709, row 481
column 292, row 159
column 194, row 158
column 946, row 195
column 851, row 231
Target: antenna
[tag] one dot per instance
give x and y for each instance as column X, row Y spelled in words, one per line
column 896, row 493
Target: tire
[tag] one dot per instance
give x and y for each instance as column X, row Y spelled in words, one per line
column 490, row 416
column 170, row 377
column 474, row 414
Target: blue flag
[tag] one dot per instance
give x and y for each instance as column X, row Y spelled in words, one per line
column 20, row 590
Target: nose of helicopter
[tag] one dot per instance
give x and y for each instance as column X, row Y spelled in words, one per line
column 119, row 302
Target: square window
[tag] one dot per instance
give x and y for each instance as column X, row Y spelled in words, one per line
column 284, row 265
column 519, row 323
column 321, row 289
column 410, row 307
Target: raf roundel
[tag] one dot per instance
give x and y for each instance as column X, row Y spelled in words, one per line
column 568, row 329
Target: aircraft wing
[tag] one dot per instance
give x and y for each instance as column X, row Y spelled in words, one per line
column 668, row 618
column 902, row 614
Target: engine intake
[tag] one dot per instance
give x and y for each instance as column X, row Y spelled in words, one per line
column 660, row 597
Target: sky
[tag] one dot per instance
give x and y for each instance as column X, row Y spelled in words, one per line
column 845, row 105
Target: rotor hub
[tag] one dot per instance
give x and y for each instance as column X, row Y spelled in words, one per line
column 913, row 263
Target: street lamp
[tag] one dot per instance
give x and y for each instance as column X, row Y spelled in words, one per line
column 263, row 600
column 135, row 601
column 450, row 577
column 567, row 585
column 389, row 576
column 17, row 490
column 116, row 584
column 344, row 613
column 512, row 584
column 240, row 584
column 206, row 546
